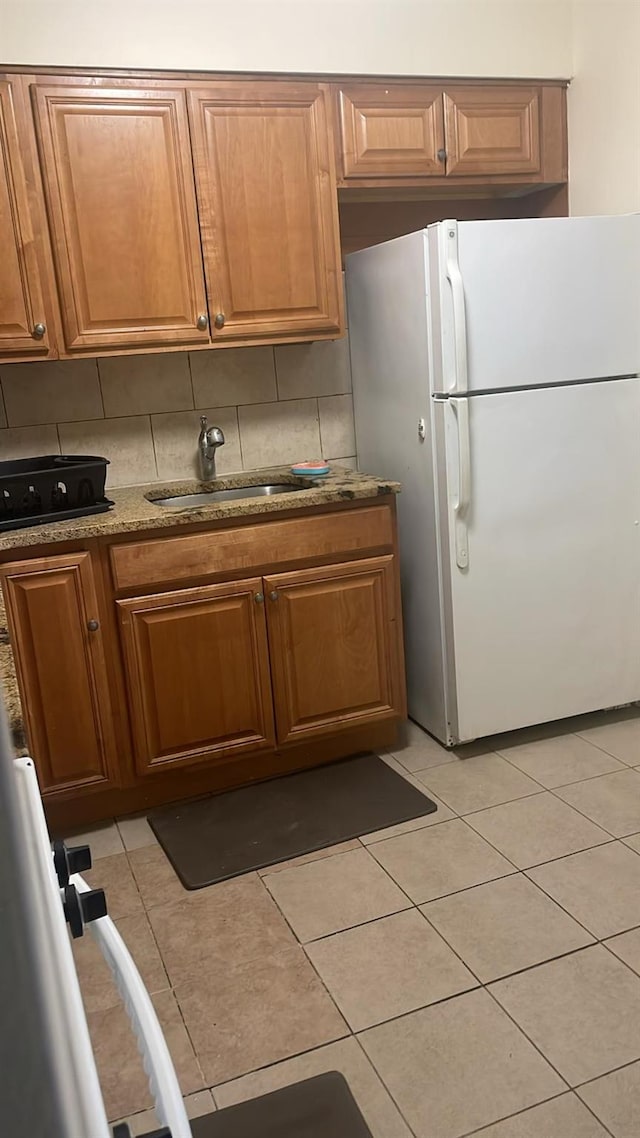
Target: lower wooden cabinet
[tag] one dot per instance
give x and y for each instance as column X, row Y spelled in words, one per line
column 203, row 678
column 55, row 628
column 335, row 650
column 198, row 674
column 131, row 701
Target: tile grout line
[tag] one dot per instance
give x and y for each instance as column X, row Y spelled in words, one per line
column 573, row 781
column 522, row 1113
column 546, row 790
column 381, row 1078
column 376, row 1072
column 300, row 945
column 453, row 996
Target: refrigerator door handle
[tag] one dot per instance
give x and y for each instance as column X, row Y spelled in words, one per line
column 460, row 408
column 454, row 277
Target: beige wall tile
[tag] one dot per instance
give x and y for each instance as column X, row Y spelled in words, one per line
column 140, row 385
column 233, row 375
column 350, row 463
column 272, row 434
column 25, row 442
column 175, row 438
column 51, row 391
column 336, row 425
column 3, row 416
column 322, row 368
column 127, row 443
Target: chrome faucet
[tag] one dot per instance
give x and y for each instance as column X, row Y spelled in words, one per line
column 209, row 439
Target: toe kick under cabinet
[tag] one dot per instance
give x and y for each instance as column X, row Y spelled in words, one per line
column 206, row 657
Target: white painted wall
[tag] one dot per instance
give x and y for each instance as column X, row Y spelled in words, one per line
column 512, row 38
column 604, row 107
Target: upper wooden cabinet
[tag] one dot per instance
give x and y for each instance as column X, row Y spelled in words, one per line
column 268, row 209
column 24, row 310
column 122, row 210
column 391, row 129
column 198, row 210
column 398, row 133
column 492, row 130
column 56, row 632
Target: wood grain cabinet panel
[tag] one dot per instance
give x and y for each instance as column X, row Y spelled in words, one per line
column 335, row 647
column 22, row 305
column 61, row 668
column 268, row 210
column 492, row 130
column 198, row 674
column 119, row 182
column 391, row 130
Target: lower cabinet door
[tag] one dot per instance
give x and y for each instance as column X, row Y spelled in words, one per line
column 52, row 612
column 197, row 667
column 336, row 654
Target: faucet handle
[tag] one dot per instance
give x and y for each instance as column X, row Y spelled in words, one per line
column 203, row 422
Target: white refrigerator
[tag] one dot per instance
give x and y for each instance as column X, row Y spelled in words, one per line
column 495, row 374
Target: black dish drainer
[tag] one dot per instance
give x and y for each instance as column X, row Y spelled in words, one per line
column 51, row 488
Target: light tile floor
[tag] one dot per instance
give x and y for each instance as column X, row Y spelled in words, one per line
column 473, row 972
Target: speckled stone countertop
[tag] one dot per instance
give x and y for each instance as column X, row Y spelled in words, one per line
column 134, row 510
column 9, row 687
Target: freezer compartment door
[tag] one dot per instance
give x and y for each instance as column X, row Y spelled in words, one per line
column 534, row 301
column 544, row 618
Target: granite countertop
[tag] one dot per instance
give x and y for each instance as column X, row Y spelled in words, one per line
column 134, row 510
column 9, row 688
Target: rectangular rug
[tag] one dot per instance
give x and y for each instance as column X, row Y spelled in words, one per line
column 212, row 839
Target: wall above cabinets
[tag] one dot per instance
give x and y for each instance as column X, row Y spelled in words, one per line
column 158, row 212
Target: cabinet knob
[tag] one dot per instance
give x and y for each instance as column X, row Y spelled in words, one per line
column 273, row 596
column 441, row 155
column 259, row 597
column 202, row 321
column 218, row 320
column 93, row 625
column 38, row 331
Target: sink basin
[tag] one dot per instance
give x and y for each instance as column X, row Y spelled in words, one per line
column 181, row 501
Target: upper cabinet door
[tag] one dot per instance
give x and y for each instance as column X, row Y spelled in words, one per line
column 391, row 130
column 24, row 327
column 492, row 130
column 268, row 210
column 119, row 182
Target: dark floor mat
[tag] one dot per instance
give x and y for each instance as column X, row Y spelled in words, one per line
column 214, row 838
column 322, row 1107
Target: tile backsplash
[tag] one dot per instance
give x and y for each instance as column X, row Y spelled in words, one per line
column 275, row 405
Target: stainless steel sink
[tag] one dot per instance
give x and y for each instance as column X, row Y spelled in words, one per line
column 182, row 501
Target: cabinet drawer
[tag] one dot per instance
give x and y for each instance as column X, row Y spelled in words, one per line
column 147, row 564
